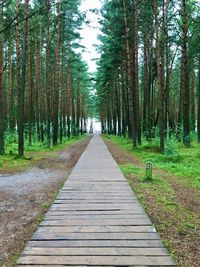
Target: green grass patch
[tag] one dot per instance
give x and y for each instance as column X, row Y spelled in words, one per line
column 178, row 160
column 10, row 162
column 130, row 169
column 45, row 205
column 158, row 197
column 163, row 195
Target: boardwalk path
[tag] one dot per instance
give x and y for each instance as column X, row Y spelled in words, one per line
column 96, row 220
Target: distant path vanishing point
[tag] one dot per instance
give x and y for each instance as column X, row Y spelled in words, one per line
column 96, row 220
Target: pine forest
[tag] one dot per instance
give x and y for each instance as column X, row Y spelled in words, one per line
column 107, row 94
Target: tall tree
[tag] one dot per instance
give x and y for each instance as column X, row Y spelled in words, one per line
column 184, row 75
column 21, row 90
column 2, row 105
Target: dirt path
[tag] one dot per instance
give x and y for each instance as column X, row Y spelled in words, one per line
column 25, row 196
column 183, row 239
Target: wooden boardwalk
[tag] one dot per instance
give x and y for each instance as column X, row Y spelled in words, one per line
column 96, row 220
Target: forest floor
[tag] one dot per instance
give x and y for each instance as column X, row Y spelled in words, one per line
column 171, row 201
column 26, row 195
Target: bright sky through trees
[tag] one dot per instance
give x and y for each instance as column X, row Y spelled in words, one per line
column 90, row 32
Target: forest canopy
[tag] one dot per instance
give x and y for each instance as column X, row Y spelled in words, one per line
column 147, row 82
column 44, row 83
column 148, row 77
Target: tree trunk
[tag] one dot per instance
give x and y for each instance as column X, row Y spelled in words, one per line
column 198, row 111
column 193, row 102
column 160, row 80
column 21, row 90
column 136, row 104
column 68, row 99
column 42, row 104
column 185, row 78
column 31, row 89
column 56, row 80
column 2, row 114
column 167, row 64
column 48, row 73
column 11, row 88
column 129, row 72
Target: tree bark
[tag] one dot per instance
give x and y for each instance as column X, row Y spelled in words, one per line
column 48, row 71
column 21, row 90
column 160, row 81
column 2, row 113
column 185, row 77
column 136, row 102
column 56, row 80
column 198, row 111
column 11, row 88
column 129, row 72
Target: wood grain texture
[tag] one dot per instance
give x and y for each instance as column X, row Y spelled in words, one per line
column 96, row 220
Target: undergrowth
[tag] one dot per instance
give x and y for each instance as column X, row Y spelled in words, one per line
column 10, row 162
column 178, row 160
column 159, row 199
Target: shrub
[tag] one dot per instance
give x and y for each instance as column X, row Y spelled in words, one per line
column 171, row 151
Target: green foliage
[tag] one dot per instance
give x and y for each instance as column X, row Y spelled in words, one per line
column 171, row 153
column 128, row 169
column 45, row 205
column 10, row 162
column 180, row 161
column 39, row 218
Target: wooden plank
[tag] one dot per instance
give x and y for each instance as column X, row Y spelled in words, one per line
column 93, row 197
column 91, row 209
column 91, row 183
column 95, row 236
column 98, row 222
column 98, row 260
column 93, row 201
column 56, row 265
column 96, row 190
column 97, row 243
column 95, row 206
column 62, row 216
column 94, row 212
column 97, row 229
column 96, row 251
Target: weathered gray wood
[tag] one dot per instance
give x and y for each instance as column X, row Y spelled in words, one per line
column 97, row 243
column 94, row 212
column 96, row 206
column 96, row 251
column 95, row 236
column 94, row 201
column 98, row 260
column 96, row 220
column 62, row 216
column 97, row 229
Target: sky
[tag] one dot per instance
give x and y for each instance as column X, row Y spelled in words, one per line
column 90, row 32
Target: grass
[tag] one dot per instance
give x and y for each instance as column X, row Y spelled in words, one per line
column 177, row 224
column 10, row 162
column 159, row 199
column 177, row 160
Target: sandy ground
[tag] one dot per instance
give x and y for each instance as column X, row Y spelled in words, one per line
column 24, row 198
